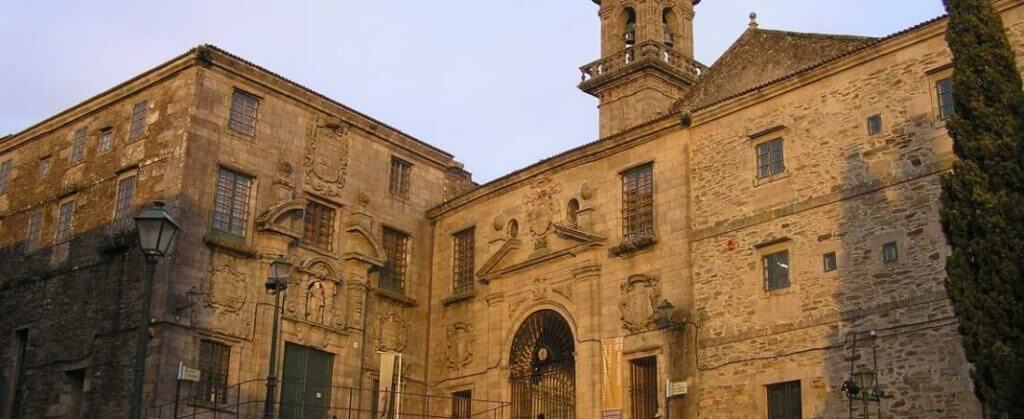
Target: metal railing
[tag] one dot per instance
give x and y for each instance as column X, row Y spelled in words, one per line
column 245, row 400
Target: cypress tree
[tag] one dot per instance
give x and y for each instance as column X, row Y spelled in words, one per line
column 983, row 203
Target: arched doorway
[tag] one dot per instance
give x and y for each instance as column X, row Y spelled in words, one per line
column 543, row 368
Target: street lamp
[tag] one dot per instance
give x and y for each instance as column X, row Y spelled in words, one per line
column 663, row 316
column 156, row 231
column 280, row 274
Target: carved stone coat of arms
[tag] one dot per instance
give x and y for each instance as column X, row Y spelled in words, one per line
column 327, row 156
column 639, row 298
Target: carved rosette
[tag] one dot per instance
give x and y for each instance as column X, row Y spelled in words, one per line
column 225, row 291
column 327, row 156
column 638, row 299
column 459, row 348
column 392, row 332
column 542, row 208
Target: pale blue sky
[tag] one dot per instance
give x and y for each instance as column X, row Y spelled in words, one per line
column 493, row 82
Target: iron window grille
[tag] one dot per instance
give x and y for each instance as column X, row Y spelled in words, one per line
column 890, row 252
column 638, row 204
column 464, row 263
column 318, row 226
column 830, row 262
column 65, row 219
column 874, row 124
column 462, row 404
column 106, row 140
column 123, row 206
column 35, row 231
column 5, row 174
column 214, row 361
column 396, row 246
column 944, row 91
column 399, row 178
column 643, row 388
column 78, row 145
column 770, row 159
column 44, row 166
column 138, row 124
column 776, row 270
column 784, row 401
column 231, row 203
column 244, row 107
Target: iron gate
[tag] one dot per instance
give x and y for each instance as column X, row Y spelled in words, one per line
column 543, row 368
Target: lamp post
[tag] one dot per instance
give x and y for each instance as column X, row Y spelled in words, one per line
column 280, row 273
column 156, row 231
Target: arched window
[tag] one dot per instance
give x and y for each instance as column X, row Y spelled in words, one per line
column 630, row 30
column 667, row 21
column 572, row 211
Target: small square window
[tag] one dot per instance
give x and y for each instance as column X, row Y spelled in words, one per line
column 106, row 140
column 830, row 261
column 770, row 160
column 776, row 270
column 874, row 124
column 244, row 106
column 44, row 166
column 890, row 252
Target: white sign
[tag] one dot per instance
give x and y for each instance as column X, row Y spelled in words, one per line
column 675, row 388
column 187, row 374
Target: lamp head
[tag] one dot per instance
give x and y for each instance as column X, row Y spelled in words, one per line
column 156, row 230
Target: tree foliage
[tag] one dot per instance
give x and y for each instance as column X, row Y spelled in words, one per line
column 983, row 203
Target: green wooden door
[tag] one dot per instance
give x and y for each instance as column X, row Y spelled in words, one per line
column 305, row 383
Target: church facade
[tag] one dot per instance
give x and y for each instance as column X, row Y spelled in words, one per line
column 746, row 239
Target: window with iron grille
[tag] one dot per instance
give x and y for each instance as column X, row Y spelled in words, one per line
column 770, row 158
column 106, row 140
column 123, row 206
column 78, row 145
column 643, row 387
column 464, row 263
column 462, row 404
column 318, row 228
column 776, row 270
column 399, row 179
column 138, row 125
column 231, row 202
column 396, row 245
column 44, row 166
column 944, row 90
column 638, row 203
column 35, row 231
column 5, row 174
column 244, row 106
column 214, row 360
column 65, row 220
column 784, row 401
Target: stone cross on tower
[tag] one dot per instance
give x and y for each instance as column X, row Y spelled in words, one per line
column 647, row 60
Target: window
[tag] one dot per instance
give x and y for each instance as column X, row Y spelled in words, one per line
column 65, row 220
column 776, row 270
column 106, row 140
column 874, row 124
column 830, row 262
column 214, row 360
column 78, row 145
column 464, row 264
column 44, row 166
column 5, row 174
column 944, row 91
column 784, row 401
column 231, row 203
column 35, row 231
column 638, row 204
column 890, row 252
column 770, row 158
column 396, row 246
column 399, row 179
column 318, row 229
column 643, row 391
column 123, row 205
column 138, row 125
column 462, row 404
column 243, row 112
column 72, row 401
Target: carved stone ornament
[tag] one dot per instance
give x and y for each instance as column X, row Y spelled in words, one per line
column 392, row 332
column 327, row 156
column 459, row 351
column 226, row 290
column 587, row 191
column 541, row 210
column 639, row 298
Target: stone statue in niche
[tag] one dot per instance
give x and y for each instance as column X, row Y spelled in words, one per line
column 327, row 156
column 638, row 299
column 459, row 348
column 541, row 210
column 226, row 291
column 316, row 301
column 392, row 332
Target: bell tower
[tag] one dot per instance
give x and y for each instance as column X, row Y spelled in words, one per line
column 647, row 60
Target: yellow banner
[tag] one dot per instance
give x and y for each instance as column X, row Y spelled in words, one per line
column 611, row 377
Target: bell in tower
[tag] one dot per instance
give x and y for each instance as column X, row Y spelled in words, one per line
column 647, row 60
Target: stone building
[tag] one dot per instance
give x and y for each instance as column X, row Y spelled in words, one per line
column 742, row 236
